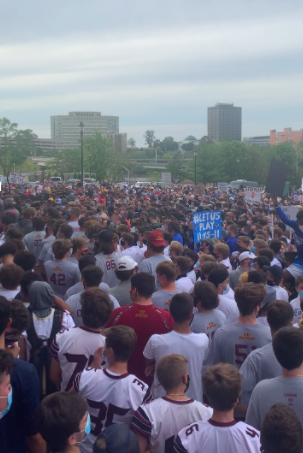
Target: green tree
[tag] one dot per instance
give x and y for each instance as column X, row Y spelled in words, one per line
column 188, row 146
column 150, row 138
column 131, row 142
column 176, row 167
column 154, row 176
column 17, row 145
column 103, row 157
column 67, row 160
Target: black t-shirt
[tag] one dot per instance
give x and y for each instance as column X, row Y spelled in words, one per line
column 19, row 423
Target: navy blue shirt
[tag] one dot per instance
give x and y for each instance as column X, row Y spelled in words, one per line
column 18, row 423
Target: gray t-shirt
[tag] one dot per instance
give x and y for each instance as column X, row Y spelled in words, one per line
column 233, row 343
column 33, row 242
column 61, row 275
column 78, row 288
column 208, row 323
column 108, row 264
column 121, row 293
column 149, row 265
column 75, row 304
column 162, row 298
column 234, row 277
column 288, row 391
column 260, row 364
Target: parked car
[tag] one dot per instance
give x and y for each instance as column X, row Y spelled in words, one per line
column 72, row 181
column 242, row 183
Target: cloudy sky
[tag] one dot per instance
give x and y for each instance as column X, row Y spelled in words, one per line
column 156, row 64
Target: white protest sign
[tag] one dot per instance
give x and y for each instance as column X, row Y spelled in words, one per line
column 222, row 186
column 253, row 194
column 166, row 179
column 291, row 213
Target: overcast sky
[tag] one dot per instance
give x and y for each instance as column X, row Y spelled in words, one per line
column 156, row 64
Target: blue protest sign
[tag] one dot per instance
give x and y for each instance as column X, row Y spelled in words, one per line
column 207, row 225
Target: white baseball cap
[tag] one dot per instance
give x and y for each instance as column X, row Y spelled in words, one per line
column 246, row 255
column 127, row 263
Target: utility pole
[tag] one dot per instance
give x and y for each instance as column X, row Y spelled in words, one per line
column 81, row 139
column 195, row 154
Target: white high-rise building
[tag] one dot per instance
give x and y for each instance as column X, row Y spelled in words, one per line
column 66, row 128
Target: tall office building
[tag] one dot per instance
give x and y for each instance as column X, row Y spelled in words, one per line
column 67, row 127
column 224, row 122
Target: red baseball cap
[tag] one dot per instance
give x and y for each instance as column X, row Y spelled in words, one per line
column 156, row 238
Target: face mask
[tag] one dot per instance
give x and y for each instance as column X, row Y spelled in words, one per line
column 122, row 243
column 251, row 264
column 226, row 290
column 27, row 205
column 9, row 403
column 133, row 229
column 187, row 385
column 86, row 429
column 145, row 241
column 301, row 294
column 271, row 283
column 187, row 219
column 120, row 216
column 248, row 222
column 105, row 358
column 162, row 227
column 253, row 249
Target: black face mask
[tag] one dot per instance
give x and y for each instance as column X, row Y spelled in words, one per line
column 188, row 382
column 145, row 241
column 122, row 243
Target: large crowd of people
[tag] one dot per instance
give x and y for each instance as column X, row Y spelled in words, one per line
column 120, row 334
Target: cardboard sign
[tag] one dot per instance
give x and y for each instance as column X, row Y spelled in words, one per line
column 166, row 179
column 207, row 225
column 222, row 186
column 253, row 194
column 291, row 213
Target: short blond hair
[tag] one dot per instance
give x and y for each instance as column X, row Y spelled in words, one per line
column 176, row 247
column 222, row 248
column 170, row 371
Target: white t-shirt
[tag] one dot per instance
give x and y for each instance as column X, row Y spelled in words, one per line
column 193, row 346
column 162, row 419
column 74, row 349
column 295, row 303
column 9, row 294
column 213, row 437
column 75, row 225
column 226, row 263
column 192, row 276
column 281, row 293
column 184, row 285
column 230, row 294
column 228, row 306
column 112, row 399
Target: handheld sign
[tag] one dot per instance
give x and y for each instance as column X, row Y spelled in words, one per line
column 253, row 194
column 207, row 225
column 222, row 186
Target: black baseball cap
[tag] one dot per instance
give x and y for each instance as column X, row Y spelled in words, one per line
column 105, row 235
column 276, row 271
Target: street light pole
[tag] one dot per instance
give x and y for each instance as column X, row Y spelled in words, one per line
column 195, row 154
column 90, row 165
column 127, row 173
column 81, row 138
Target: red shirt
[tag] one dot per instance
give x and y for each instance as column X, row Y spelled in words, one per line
column 146, row 320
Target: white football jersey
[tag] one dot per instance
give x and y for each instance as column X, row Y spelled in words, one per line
column 108, row 264
column 162, row 419
column 61, row 275
column 214, row 437
column 33, row 242
column 193, row 346
column 112, row 398
column 74, row 349
column 74, row 303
